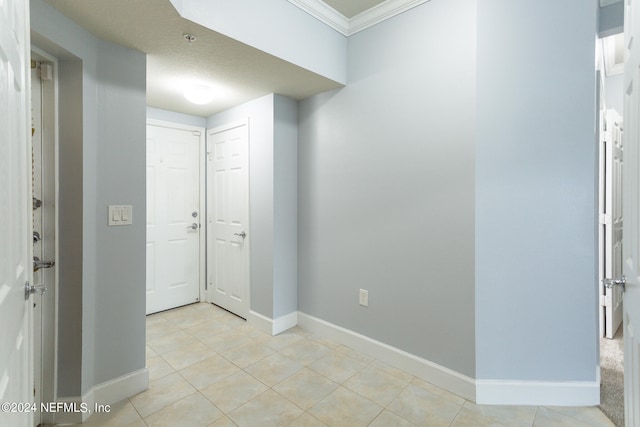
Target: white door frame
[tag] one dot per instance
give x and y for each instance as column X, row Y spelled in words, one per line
column 202, row 235
column 218, row 129
column 50, row 305
column 631, row 208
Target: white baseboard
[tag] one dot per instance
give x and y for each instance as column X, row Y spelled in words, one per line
column 273, row 326
column 431, row 372
column 121, row 388
column 540, row 393
column 261, row 322
column 283, row 323
column 107, row 393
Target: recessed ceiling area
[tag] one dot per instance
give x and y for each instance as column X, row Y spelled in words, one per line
column 237, row 72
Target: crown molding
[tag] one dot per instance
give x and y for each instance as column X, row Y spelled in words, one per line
column 381, row 12
column 324, row 13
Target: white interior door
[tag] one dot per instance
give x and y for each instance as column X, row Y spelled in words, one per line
column 228, row 218
column 16, row 373
column 173, row 216
column 631, row 207
column 613, row 220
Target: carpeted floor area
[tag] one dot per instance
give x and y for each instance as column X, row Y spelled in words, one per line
column 612, row 375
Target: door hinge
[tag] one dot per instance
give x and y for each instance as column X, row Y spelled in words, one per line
column 605, row 300
column 605, row 219
column 196, row 133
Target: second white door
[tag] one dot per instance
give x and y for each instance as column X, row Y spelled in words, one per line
column 173, row 216
column 613, row 223
column 228, row 217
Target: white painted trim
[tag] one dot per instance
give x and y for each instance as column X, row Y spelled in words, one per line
column 604, row 3
column 285, row 322
column 115, row 390
column 364, row 20
column 431, row 372
column 107, row 393
column 261, row 322
column 381, row 12
column 325, row 14
column 272, row 326
column 565, row 393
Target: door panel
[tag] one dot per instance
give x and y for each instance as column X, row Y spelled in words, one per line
column 228, row 218
column 173, row 197
column 613, row 225
column 16, row 380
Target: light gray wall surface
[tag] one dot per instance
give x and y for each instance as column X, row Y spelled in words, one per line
column 386, row 187
column 109, row 126
column 536, row 198
column 120, row 299
column 69, row 262
column 260, row 113
column 611, row 19
column 172, row 116
column 285, row 204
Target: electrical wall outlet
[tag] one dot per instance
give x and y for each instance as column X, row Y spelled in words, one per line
column 364, row 298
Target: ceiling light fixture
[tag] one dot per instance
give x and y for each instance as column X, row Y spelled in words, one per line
column 199, row 94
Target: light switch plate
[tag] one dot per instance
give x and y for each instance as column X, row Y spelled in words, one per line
column 120, row 215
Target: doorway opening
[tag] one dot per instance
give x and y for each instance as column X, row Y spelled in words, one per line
column 45, row 226
column 610, row 55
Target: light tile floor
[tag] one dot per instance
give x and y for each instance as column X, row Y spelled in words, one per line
column 209, row 368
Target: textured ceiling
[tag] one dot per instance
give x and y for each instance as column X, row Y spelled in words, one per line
column 239, row 72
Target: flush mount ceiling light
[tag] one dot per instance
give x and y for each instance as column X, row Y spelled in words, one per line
column 199, row 94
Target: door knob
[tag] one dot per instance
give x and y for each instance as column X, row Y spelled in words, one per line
column 620, row 281
column 31, row 289
column 242, row 234
column 193, row 226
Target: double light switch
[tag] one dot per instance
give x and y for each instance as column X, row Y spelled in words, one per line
column 120, row 215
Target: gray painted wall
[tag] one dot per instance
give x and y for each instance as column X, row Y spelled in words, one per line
column 120, row 297
column 611, row 19
column 172, row 116
column 285, row 206
column 536, row 204
column 386, row 187
column 101, row 309
column 69, row 262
